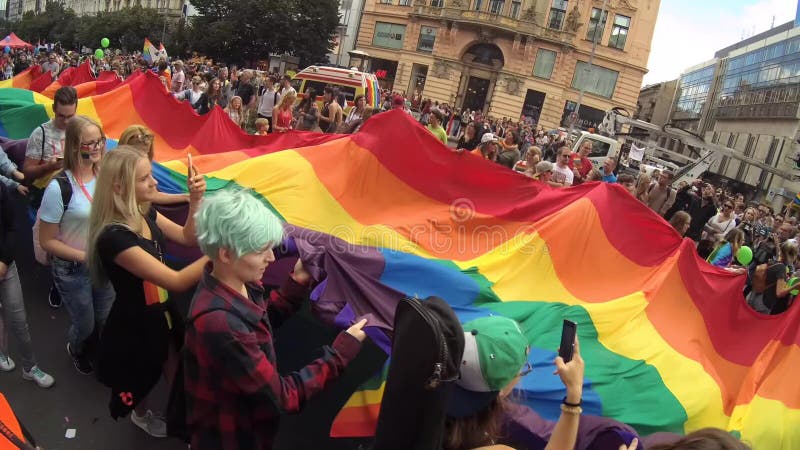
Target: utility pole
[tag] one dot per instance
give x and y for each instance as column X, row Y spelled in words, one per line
column 164, row 30
column 588, row 69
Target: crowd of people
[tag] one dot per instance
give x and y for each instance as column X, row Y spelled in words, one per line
column 96, row 228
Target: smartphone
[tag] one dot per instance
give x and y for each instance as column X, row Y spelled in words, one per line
column 191, row 166
column 567, row 347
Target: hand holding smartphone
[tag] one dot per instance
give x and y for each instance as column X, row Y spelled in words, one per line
column 190, row 171
column 567, row 348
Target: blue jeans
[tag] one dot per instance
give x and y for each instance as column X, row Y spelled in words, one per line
column 12, row 315
column 88, row 306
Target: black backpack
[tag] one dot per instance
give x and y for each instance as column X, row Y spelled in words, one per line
column 427, row 349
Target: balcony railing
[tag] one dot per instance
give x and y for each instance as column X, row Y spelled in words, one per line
column 786, row 110
column 774, row 102
column 498, row 21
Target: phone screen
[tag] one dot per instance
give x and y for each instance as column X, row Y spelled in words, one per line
column 567, row 347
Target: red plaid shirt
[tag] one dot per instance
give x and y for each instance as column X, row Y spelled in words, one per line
column 234, row 392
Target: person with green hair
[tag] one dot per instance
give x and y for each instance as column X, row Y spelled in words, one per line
column 231, row 374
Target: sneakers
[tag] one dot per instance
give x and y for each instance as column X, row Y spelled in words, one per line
column 54, row 298
column 82, row 362
column 150, row 423
column 36, row 374
column 6, row 363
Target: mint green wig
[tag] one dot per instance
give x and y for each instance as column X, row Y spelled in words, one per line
column 237, row 221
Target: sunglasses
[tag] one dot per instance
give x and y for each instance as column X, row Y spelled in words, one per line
column 728, row 206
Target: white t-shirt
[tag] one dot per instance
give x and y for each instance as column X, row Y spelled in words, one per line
column 286, row 90
column 177, row 81
column 269, row 99
column 43, row 146
column 564, row 175
column 73, row 228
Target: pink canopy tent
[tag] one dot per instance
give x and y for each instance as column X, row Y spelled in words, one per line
column 14, row 42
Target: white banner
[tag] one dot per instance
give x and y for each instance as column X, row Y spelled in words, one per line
column 636, row 153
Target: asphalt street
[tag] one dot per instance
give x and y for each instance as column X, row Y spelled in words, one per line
column 80, row 402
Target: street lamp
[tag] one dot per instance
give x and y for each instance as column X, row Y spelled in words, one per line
column 164, row 30
column 575, row 113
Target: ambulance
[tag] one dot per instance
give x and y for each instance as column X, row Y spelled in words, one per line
column 351, row 83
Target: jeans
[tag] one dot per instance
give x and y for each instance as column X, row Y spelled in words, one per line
column 456, row 127
column 12, row 313
column 88, row 306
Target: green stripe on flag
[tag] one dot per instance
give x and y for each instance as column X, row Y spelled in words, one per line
column 639, row 399
column 19, row 114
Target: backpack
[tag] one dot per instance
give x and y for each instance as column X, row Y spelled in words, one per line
column 176, row 403
column 427, row 349
column 759, row 283
column 42, row 257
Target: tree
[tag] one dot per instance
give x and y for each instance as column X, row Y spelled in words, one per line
column 55, row 24
column 245, row 31
column 315, row 23
column 126, row 28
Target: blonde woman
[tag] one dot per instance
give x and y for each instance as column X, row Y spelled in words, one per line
column 142, row 139
column 643, row 187
column 126, row 247
column 284, row 113
column 236, row 111
column 63, row 235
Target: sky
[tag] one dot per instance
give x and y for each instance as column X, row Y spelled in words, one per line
column 689, row 32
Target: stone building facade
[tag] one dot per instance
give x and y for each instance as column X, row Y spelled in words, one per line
column 510, row 58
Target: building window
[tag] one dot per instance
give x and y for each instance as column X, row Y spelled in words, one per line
column 545, row 61
column 496, row 6
column 515, row 7
column 478, row 5
column 427, row 37
column 385, row 2
column 557, row 13
column 599, row 81
column 437, row 3
column 405, row 3
column 389, row 35
column 597, row 25
column 619, row 34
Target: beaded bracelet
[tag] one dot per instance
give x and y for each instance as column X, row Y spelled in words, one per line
column 577, row 410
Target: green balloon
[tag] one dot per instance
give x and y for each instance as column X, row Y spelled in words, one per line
column 105, row 42
column 744, row 255
column 99, row 53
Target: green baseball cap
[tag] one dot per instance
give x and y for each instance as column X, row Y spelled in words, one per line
column 495, row 349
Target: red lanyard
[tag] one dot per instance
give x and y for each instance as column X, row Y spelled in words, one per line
column 83, row 188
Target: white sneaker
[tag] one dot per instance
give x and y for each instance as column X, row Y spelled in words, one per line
column 41, row 378
column 152, row 425
column 6, row 363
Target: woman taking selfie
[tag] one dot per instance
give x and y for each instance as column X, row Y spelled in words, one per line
column 126, row 247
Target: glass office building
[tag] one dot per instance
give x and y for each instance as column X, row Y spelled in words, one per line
column 693, row 92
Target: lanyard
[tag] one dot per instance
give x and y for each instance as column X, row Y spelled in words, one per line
column 83, row 188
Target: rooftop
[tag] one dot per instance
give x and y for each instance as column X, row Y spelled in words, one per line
column 725, row 52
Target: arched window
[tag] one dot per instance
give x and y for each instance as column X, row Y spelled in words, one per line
column 485, row 54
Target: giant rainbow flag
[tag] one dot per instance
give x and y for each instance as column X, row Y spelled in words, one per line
column 669, row 342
